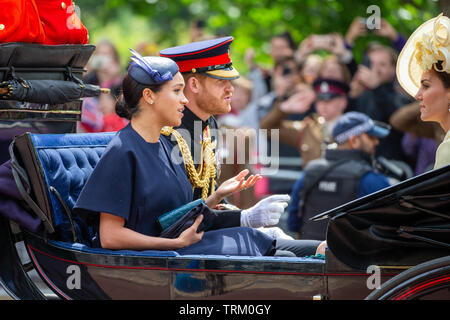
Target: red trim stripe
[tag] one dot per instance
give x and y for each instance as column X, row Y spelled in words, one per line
column 188, row 65
column 49, row 282
column 422, row 286
column 204, row 270
column 331, row 89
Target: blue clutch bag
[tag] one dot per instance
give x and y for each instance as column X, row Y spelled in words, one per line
column 174, row 222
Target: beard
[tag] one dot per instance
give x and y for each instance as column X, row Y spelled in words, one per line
column 212, row 104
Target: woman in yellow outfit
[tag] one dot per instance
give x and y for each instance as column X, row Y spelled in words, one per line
column 423, row 70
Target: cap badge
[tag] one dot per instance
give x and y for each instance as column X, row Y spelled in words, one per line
column 324, row 87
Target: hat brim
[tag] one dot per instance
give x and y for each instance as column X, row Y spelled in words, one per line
column 223, row 74
column 328, row 96
column 379, row 130
column 408, row 69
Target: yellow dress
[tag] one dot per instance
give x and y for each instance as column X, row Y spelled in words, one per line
column 443, row 152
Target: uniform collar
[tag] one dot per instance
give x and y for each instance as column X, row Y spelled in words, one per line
column 189, row 119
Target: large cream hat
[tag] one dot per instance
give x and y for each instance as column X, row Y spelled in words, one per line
column 427, row 45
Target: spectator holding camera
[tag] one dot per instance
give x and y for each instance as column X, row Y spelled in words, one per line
column 374, row 92
column 98, row 113
column 285, row 77
column 334, row 43
column 373, row 89
column 359, row 28
column 282, row 47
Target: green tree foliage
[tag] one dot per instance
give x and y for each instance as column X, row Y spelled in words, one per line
column 251, row 22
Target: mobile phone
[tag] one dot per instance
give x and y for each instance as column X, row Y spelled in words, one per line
column 366, row 61
column 286, row 71
column 322, row 41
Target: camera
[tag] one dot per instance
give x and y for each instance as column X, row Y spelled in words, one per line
column 286, row 71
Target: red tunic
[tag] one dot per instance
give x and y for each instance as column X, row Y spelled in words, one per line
column 19, row 22
column 41, row 21
column 61, row 23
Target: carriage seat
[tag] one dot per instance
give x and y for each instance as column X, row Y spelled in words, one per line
column 57, row 167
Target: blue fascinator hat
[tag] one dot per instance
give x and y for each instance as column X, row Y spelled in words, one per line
column 151, row 70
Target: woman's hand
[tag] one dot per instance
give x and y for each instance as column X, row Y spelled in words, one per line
column 232, row 185
column 190, row 235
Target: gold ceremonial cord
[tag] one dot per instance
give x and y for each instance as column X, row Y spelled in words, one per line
column 201, row 177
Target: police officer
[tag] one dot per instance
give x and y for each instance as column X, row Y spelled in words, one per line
column 207, row 70
column 341, row 175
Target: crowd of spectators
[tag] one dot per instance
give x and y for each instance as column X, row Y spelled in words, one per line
column 287, row 96
column 310, row 85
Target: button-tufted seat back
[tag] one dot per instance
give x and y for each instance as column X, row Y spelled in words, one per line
column 58, row 166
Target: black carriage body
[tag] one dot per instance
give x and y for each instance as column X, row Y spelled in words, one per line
column 73, row 271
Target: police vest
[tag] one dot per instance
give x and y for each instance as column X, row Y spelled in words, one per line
column 329, row 182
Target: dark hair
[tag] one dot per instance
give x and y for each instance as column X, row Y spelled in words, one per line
column 199, row 23
column 288, row 37
column 343, row 67
column 115, row 53
column 286, row 60
column 444, row 76
column 127, row 104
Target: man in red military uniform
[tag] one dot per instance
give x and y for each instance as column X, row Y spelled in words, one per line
column 47, row 22
column 19, row 22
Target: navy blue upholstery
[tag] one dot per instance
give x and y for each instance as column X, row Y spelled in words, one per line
column 164, row 254
column 144, row 253
column 67, row 160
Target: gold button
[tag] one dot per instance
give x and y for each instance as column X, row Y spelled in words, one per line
column 63, row 5
column 2, row 26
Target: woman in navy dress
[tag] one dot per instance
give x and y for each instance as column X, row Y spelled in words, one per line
column 137, row 179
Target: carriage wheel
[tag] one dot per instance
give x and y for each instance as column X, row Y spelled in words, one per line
column 428, row 280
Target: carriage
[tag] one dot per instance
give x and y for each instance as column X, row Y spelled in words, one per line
column 392, row 244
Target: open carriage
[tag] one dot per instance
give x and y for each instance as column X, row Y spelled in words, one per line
column 398, row 237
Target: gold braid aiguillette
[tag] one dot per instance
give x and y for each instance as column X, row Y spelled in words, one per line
column 206, row 172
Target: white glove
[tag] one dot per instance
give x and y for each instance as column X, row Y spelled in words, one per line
column 275, row 233
column 266, row 212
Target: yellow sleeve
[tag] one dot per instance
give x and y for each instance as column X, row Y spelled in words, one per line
column 443, row 154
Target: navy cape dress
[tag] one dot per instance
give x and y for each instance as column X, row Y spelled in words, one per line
column 139, row 181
